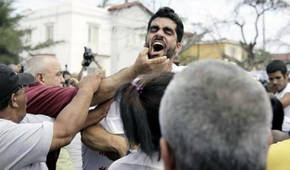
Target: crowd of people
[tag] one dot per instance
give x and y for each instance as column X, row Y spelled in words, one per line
column 152, row 115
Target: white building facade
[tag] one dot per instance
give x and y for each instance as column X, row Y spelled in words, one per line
column 116, row 33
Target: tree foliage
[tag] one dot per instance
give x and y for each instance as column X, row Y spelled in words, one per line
column 11, row 44
column 10, row 36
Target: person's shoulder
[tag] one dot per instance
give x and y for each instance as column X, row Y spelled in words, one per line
column 6, row 123
column 283, row 144
column 39, row 118
column 124, row 161
column 287, row 87
column 39, row 88
column 278, row 156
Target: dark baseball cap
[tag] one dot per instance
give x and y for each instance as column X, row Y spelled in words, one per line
column 11, row 81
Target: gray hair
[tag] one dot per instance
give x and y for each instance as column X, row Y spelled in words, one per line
column 214, row 115
column 37, row 64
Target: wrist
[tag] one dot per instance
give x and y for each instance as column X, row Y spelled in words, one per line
column 85, row 90
column 135, row 71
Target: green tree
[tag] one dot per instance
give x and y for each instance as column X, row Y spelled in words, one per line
column 10, row 37
column 11, row 44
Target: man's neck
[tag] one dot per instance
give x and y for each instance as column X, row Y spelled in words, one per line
column 9, row 114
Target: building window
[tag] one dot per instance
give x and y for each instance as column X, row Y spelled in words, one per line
column 49, row 32
column 93, row 37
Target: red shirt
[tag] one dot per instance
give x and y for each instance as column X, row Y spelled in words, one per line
column 48, row 100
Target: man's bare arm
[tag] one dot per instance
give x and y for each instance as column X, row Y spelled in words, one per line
column 97, row 114
column 285, row 100
column 99, row 139
column 142, row 65
column 72, row 118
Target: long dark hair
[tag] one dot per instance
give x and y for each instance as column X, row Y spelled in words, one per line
column 278, row 113
column 139, row 107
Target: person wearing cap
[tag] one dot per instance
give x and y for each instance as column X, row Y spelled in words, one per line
column 25, row 145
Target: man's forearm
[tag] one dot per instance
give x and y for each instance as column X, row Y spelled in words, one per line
column 99, row 139
column 142, row 65
column 93, row 117
column 109, row 85
column 75, row 113
column 97, row 114
column 71, row 119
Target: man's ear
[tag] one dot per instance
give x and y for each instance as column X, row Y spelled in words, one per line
column 167, row 156
column 13, row 101
column 178, row 47
column 39, row 78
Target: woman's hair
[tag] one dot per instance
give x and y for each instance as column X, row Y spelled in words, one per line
column 278, row 113
column 139, row 107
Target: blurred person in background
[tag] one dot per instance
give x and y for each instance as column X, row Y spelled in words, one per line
column 278, row 81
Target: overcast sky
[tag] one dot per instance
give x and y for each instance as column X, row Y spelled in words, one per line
column 201, row 11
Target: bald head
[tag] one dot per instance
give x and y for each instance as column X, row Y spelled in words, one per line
column 46, row 70
column 217, row 115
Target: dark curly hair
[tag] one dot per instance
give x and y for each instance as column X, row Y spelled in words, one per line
column 167, row 12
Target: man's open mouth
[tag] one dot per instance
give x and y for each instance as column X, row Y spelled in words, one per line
column 158, row 46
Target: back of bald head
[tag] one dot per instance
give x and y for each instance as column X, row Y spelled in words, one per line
column 39, row 64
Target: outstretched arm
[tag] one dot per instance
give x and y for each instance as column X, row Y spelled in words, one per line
column 72, row 118
column 142, row 65
column 97, row 114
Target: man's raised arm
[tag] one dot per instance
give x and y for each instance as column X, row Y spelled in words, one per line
column 141, row 66
column 72, row 118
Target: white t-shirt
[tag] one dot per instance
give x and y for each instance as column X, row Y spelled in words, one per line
column 137, row 160
column 94, row 160
column 286, row 121
column 74, row 148
column 24, row 146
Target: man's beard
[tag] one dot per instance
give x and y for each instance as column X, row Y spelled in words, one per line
column 170, row 53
